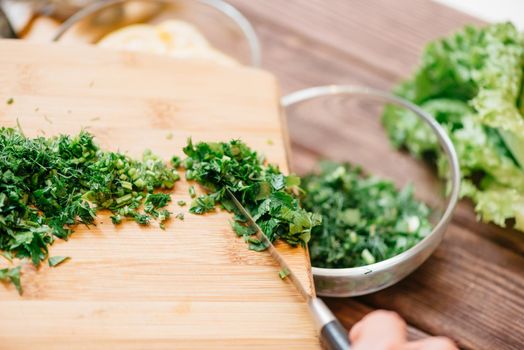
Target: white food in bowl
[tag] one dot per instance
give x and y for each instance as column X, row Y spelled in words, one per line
column 177, row 39
column 138, row 37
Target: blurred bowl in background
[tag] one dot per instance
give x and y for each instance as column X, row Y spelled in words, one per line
column 343, row 123
column 224, row 27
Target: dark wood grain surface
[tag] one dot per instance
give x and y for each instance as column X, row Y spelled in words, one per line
column 472, row 288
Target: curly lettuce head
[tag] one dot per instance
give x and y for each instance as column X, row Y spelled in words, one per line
column 470, row 82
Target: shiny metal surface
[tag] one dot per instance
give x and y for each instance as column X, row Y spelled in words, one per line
column 320, row 312
column 367, row 279
column 332, row 333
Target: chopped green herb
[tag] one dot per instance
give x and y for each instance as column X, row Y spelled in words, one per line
column 364, row 219
column 262, row 189
column 48, row 186
column 8, row 256
column 181, row 203
column 12, row 275
column 176, row 162
column 10, row 101
column 202, row 204
column 243, row 230
column 368, row 257
column 192, row 191
column 162, row 216
column 180, row 216
column 116, row 219
column 57, row 260
column 142, row 219
column 169, row 136
column 157, row 200
column 283, row 273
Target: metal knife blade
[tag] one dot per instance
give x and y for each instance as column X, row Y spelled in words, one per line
column 333, row 335
column 270, row 248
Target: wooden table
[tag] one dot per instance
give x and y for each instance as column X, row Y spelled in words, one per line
column 472, row 288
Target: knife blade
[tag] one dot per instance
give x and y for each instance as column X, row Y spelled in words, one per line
column 270, row 248
column 333, row 335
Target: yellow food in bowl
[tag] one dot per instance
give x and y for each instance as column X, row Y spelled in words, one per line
column 174, row 38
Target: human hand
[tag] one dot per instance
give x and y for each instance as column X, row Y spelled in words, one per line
column 385, row 330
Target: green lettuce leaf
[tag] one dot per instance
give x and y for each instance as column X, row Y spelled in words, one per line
column 470, row 82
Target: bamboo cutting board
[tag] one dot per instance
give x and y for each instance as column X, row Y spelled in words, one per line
column 194, row 285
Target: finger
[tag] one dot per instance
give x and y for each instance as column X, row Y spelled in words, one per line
column 354, row 333
column 379, row 330
column 433, row 343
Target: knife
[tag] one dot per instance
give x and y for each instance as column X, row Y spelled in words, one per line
column 333, row 336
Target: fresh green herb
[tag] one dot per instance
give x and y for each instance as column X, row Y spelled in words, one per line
column 10, row 101
column 48, row 186
column 471, row 82
column 180, row 216
column 162, row 217
column 156, row 200
column 116, row 219
column 192, row 191
column 261, row 188
column 169, row 136
column 141, row 219
column 12, row 275
column 364, row 219
column 57, row 260
column 7, row 256
column 203, row 204
column 283, row 273
column 176, row 162
column 181, row 203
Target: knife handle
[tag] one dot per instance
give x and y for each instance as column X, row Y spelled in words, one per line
column 333, row 336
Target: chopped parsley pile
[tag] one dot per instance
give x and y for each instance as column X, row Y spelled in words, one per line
column 50, row 185
column 364, row 219
column 263, row 190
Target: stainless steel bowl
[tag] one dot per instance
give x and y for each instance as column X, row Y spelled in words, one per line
column 221, row 24
column 343, row 123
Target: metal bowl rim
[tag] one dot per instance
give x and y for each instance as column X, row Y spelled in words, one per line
column 445, row 142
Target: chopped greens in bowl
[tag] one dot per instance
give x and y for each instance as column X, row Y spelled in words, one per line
column 373, row 233
column 365, row 219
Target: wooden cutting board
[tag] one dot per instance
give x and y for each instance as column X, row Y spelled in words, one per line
column 194, row 285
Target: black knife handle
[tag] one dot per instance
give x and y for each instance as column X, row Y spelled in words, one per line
column 334, row 336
